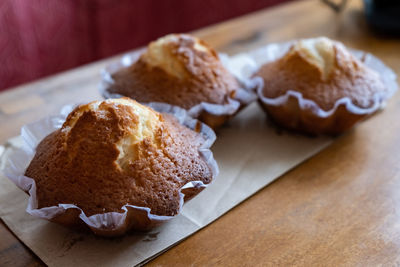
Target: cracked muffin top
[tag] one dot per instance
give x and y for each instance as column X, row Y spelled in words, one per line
column 115, row 152
column 324, row 71
column 177, row 69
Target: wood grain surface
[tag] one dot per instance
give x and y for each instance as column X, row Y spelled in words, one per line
column 341, row 207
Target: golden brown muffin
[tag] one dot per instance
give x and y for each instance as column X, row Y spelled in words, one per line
column 117, row 152
column 315, row 74
column 180, row 70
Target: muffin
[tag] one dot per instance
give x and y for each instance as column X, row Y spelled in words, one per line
column 116, row 156
column 184, row 71
column 319, row 87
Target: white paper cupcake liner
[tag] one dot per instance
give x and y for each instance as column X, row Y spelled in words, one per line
column 244, row 95
column 275, row 51
column 110, row 222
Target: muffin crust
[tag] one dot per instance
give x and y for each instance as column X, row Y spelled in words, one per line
column 323, row 71
column 177, row 69
column 117, row 152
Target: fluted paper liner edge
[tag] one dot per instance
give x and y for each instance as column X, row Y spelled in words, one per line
column 105, row 223
column 244, row 95
column 274, row 51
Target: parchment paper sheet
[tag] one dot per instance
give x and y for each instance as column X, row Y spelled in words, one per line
column 250, row 154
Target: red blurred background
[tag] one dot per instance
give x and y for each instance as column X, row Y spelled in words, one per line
column 42, row 37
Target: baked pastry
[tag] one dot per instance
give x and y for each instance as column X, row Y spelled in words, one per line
column 184, row 71
column 115, row 153
column 319, row 87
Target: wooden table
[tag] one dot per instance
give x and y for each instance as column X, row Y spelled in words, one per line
column 340, row 207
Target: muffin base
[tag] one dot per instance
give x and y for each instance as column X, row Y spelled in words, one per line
column 214, row 115
column 111, row 223
column 290, row 116
column 293, row 112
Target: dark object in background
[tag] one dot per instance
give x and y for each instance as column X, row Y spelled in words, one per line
column 383, row 15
